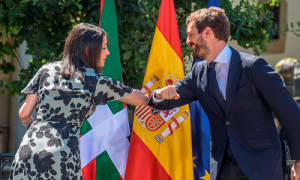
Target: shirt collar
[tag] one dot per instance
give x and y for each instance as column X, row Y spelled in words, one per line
column 224, row 56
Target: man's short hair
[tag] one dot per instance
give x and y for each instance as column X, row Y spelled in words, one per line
column 213, row 17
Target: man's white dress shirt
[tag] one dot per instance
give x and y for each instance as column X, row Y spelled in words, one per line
column 222, row 67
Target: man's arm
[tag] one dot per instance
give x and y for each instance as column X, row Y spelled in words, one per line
column 174, row 96
column 281, row 101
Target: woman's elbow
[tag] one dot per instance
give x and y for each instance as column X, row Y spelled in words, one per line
column 145, row 100
column 141, row 100
column 23, row 114
column 136, row 98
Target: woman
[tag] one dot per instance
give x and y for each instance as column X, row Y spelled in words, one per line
column 65, row 94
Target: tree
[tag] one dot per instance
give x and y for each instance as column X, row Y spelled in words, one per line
column 44, row 25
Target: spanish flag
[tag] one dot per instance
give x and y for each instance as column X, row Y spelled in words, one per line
column 161, row 146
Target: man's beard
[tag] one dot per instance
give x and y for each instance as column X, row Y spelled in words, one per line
column 201, row 50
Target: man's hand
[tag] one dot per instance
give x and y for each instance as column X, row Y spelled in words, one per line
column 168, row 92
column 295, row 171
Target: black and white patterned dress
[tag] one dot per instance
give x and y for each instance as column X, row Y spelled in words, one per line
column 50, row 147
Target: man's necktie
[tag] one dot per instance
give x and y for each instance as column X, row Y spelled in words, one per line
column 214, row 88
column 216, row 93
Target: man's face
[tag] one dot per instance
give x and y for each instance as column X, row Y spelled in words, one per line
column 197, row 42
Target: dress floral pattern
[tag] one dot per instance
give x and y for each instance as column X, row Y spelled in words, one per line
column 50, row 147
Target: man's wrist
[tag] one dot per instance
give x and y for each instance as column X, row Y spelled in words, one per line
column 297, row 162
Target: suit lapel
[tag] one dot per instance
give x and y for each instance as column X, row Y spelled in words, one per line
column 235, row 69
column 204, row 77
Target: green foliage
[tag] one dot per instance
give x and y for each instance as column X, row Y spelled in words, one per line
column 294, row 31
column 44, row 25
column 136, row 27
column 251, row 25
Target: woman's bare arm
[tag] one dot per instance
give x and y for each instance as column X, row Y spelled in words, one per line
column 135, row 98
column 27, row 108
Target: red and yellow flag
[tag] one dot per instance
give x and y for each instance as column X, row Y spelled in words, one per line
column 161, row 146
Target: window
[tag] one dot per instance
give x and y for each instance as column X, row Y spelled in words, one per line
column 276, row 20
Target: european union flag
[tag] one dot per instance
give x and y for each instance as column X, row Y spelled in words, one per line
column 201, row 132
column 200, row 139
column 213, row 3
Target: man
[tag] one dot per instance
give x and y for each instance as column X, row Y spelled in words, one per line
column 238, row 92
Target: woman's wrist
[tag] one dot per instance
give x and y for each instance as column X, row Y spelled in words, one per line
column 27, row 121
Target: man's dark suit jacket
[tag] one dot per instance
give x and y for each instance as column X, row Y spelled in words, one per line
column 254, row 90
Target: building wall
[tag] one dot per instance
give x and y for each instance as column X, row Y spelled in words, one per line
column 10, row 105
column 19, row 130
column 4, row 106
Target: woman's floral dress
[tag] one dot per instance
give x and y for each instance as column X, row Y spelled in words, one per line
column 50, row 147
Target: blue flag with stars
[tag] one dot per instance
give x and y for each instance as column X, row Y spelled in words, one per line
column 213, row 3
column 201, row 132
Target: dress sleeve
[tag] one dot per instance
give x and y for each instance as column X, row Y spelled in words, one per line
column 34, row 84
column 108, row 89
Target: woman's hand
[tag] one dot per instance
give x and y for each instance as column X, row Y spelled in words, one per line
column 27, row 122
column 135, row 98
column 27, row 108
column 295, row 171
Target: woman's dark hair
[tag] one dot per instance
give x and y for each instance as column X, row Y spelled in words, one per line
column 82, row 36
